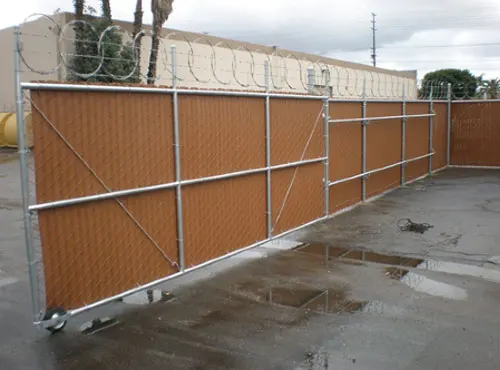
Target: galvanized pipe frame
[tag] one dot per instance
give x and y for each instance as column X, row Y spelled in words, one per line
column 448, row 127
column 431, row 127
column 403, row 139
column 326, row 153
column 170, row 185
column 383, row 118
column 177, row 159
column 25, row 186
column 269, row 221
column 388, row 167
column 364, row 124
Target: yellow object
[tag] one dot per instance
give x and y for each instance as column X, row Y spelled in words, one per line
column 10, row 130
column 3, row 119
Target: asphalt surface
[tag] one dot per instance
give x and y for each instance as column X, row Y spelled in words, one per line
column 358, row 294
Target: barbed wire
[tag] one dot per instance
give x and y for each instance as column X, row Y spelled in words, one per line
column 203, row 63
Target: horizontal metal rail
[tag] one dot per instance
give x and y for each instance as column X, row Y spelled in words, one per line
column 474, row 167
column 381, row 100
column 383, row 118
column 476, row 101
column 160, row 90
column 170, row 185
column 371, row 172
column 173, row 276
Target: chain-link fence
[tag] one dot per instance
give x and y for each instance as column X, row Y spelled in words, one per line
column 475, row 134
column 129, row 185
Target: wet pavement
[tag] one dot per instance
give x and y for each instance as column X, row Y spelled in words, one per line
column 355, row 292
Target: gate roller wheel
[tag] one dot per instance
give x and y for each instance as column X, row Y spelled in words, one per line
column 54, row 314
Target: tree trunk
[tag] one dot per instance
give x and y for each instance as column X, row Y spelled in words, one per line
column 79, row 6
column 138, row 15
column 153, row 57
column 78, row 44
column 106, row 10
column 161, row 10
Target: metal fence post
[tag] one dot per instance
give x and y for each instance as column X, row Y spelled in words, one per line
column 431, row 121
column 268, row 152
column 23, row 161
column 448, row 127
column 326, row 150
column 177, row 153
column 403, row 138
column 363, row 155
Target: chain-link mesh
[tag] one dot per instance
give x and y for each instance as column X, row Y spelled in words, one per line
column 297, row 196
column 223, row 216
column 345, row 155
column 221, row 135
column 475, row 134
column 296, row 130
column 383, row 147
column 439, row 135
column 417, row 140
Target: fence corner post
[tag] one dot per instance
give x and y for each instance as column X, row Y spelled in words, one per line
column 177, row 156
column 448, row 127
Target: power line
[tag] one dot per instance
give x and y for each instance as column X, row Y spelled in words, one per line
column 441, row 46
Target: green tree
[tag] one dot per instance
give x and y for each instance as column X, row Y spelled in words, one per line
column 492, row 88
column 463, row 83
column 118, row 59
column 161, row 10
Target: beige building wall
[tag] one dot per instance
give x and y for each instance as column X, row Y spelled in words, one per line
column 203, row 61
column 39, row 53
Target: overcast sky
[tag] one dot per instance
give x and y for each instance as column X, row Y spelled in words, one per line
column 412, row 34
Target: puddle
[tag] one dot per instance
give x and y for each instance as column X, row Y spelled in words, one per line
column 328, row 300
column 148, row 297
column 462, row 269
column 423, row 284
column 355, row 256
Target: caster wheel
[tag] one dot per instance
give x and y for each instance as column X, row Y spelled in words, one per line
column 54, row 314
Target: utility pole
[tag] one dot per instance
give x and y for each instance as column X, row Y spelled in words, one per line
column 374, row 48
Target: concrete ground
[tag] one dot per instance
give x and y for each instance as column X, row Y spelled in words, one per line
column 359, row 294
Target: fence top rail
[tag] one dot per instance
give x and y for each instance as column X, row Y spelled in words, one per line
column 185, row 91
column 382, row 100
column 160, row 90
column 476, row 101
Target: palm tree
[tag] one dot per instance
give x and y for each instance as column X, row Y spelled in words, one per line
column 137, row 29
column 79, row 9
column 106, row 10
column 79, row 6
column 161, row 10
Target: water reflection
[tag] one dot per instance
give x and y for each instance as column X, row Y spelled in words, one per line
column 148, row 297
